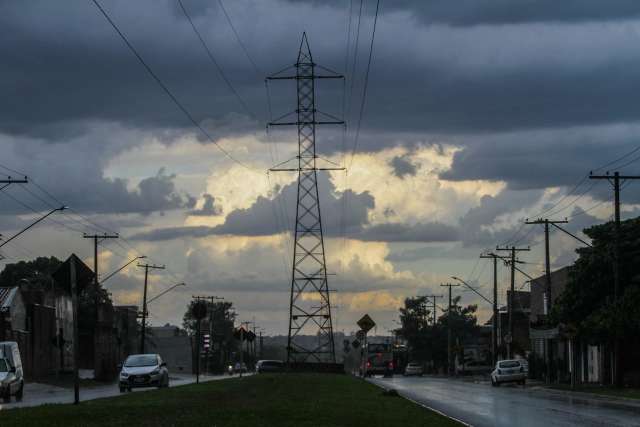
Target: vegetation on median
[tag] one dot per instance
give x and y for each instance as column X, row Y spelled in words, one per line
column 301, row 400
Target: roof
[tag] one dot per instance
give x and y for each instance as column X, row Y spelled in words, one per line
column 6, row 297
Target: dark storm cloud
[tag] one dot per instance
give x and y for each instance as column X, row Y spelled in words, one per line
column 60, row 69
column 209, row 208
column 423, row 232
column 478, row 12
column 402, row 166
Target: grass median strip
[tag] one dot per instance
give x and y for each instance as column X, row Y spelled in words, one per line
column 299, row 400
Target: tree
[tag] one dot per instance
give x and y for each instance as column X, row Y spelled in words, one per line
column 428, row 341
column 586, row 307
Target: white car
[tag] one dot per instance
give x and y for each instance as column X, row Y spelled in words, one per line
column 143, row 370
column 413, row 368
column 508, row 371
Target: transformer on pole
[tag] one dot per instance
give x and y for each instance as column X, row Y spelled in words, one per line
column 309, row 305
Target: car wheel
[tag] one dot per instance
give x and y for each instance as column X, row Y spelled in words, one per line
column 20, row 393
column 122, row 389
column 6, row 398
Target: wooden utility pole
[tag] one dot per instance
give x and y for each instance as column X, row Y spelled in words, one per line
column 510, row 305
column 74, row 314
column 449, row 349
column 615, row 181
column 144, row 301
column 547, row 302
column 433, row 304
column 494, row 323
column 96, row 239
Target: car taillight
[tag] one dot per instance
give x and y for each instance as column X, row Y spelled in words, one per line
column 368, row 364
column 390, row 365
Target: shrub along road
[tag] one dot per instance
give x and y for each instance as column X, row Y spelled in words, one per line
column 301, row 400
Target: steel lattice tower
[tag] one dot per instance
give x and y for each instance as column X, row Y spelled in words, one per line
column 310, row 306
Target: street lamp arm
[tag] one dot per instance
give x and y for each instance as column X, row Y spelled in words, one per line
column 121, row 268
column 473, row 289
column 164, row 292
column 32, row 224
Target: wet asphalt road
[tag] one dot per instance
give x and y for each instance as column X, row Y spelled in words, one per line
column 41, row 394
column 483, row 406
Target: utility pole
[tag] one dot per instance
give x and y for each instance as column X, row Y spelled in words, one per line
column 615, row 181
column 309, row 272
column 144, row 301
column 510, row 305
column 547, row 292
column 96, row 239
column 494, row 324
column 449, row 349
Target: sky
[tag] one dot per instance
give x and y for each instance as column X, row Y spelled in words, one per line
column 473, row 116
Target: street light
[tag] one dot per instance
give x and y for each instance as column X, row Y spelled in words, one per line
column 122, row 268
column 472, row 288
column 164, row 292
column 60, row 209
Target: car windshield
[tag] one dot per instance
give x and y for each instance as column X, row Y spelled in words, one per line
column 4, row 366
column 141, row 360
column 509, row 364
column 271, row 363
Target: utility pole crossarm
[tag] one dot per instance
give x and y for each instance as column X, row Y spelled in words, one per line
column 10, row 180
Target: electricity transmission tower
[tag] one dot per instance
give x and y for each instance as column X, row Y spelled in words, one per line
column 309, row 304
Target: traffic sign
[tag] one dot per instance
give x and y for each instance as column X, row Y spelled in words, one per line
column 366, row 323
column 355, row 343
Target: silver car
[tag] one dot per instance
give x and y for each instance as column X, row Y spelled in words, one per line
column 508, row 371
column 413, row 368
column 143, row 370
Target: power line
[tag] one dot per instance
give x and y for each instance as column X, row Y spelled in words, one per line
column 366, row 84
column 242, row 45
column 214, row 61
column 167, row 91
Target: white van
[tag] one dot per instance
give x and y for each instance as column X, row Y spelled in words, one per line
column 11, row 374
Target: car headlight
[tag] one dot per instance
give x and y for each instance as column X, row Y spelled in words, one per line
column 155, row 371
column 124, row 374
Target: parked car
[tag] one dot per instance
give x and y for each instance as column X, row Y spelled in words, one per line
column 413, row 368
column 143, row 370
column 269, row 366
column 239, row 368
column 11, row 374
column 508, row 371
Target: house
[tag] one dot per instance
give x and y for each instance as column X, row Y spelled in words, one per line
column 556, row 357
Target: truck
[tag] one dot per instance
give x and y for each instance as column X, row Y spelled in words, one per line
column 378, row 359
column 11, row 373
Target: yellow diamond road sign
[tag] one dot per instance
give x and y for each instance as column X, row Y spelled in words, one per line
column 366, row 323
